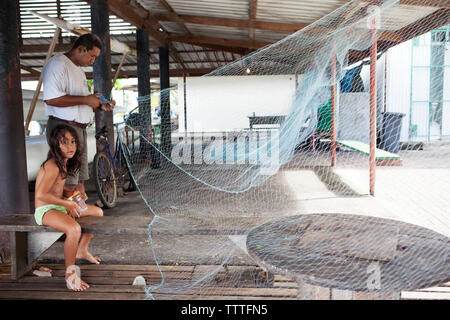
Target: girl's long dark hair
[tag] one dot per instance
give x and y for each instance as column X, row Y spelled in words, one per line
column 73, row 164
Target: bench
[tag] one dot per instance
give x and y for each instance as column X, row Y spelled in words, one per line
column 258, row 120
column 382, row 157
column 29, row 241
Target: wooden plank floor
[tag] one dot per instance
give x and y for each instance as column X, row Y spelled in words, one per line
column 114, row 282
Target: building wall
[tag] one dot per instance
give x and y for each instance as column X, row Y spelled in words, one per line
column 414, row 72
column 224, row 103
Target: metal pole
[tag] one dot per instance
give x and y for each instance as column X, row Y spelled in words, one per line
column 333, row 108
column 373, row 105
column 14, row 196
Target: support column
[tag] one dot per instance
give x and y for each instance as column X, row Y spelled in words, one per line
column 164, row 100
column 333, row 108
column 102, row 65
column 373, row 102
column 143, row 75
column 14, row 195
column 185, row 106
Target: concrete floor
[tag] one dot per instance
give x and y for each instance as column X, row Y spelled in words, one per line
column 414, row 193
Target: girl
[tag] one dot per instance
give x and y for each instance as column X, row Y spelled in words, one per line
column 54, row 211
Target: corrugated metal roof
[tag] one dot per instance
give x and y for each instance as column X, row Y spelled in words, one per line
column 237, row 9
column 296, row 11
column 76, row 12
column 209, row 33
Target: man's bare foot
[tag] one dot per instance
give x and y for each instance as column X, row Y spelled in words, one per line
column 73, row 280
column 88, row 256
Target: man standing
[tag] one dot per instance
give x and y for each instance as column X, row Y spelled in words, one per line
column 68, row 101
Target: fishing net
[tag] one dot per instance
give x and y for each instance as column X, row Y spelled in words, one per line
column 304, row 161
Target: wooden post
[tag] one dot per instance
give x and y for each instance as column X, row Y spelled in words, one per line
column 102, row 65
column 143, row 75
column 51, row 49
column 373, row 101
column 333, row 108
column 116, row 75
column 164, row 98
column 185, row 106
column 14, row 178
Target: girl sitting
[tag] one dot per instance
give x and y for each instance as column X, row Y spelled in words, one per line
column 54, row 211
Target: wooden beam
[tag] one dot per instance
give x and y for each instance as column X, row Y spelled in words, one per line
column 131, row 11
column 116, row 46
column 433, row 21
column 133, row 73
column 234, row 23
column 219, row 41
column 30, row 70
column 252, row 17
column 427, row 3
column 175, row 17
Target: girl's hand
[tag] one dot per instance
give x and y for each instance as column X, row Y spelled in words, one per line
column 72, row 209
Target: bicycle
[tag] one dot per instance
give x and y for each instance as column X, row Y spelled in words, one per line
column 111, row 173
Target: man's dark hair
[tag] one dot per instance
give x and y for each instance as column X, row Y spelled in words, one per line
column 88, row 40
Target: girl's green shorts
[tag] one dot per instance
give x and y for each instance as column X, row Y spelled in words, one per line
column 39, row 212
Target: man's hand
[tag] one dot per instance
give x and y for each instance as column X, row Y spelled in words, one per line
column 108, row 106
column 93, row 101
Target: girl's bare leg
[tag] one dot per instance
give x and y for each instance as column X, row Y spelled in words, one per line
column 64, row 223
column 83, row 252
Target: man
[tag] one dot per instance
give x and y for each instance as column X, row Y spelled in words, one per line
column 68, row 101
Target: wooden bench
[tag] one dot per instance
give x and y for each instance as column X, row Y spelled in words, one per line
column 29, row 241
column 383, row 158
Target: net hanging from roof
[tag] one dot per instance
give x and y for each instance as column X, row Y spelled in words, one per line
column 266, row 198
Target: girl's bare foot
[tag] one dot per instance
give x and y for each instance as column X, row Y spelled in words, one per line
column 88, row 256
column 73, row 280
column 45, row 269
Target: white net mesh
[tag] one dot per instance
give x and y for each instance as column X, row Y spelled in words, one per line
column 253, row 180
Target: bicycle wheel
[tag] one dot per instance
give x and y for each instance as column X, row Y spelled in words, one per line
column 125, row 176
column 105, row 180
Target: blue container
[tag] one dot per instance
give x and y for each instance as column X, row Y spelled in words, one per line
column 390, row 132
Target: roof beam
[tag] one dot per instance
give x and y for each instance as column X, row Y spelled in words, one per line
column 134, row 13
column 432, row 21
column 175, row 17
column 234, row 23
column 133, row 73
column 428, row 3
column 30, row 70
column 219, row 41
column 252, row 17
column 116, row 46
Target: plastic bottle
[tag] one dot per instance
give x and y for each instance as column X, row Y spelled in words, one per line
column 82, row 207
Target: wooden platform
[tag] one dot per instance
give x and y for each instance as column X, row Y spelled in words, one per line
column 114, row 282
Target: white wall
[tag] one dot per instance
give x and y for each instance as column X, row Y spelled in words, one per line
column 398, row 83
column 224, row 103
